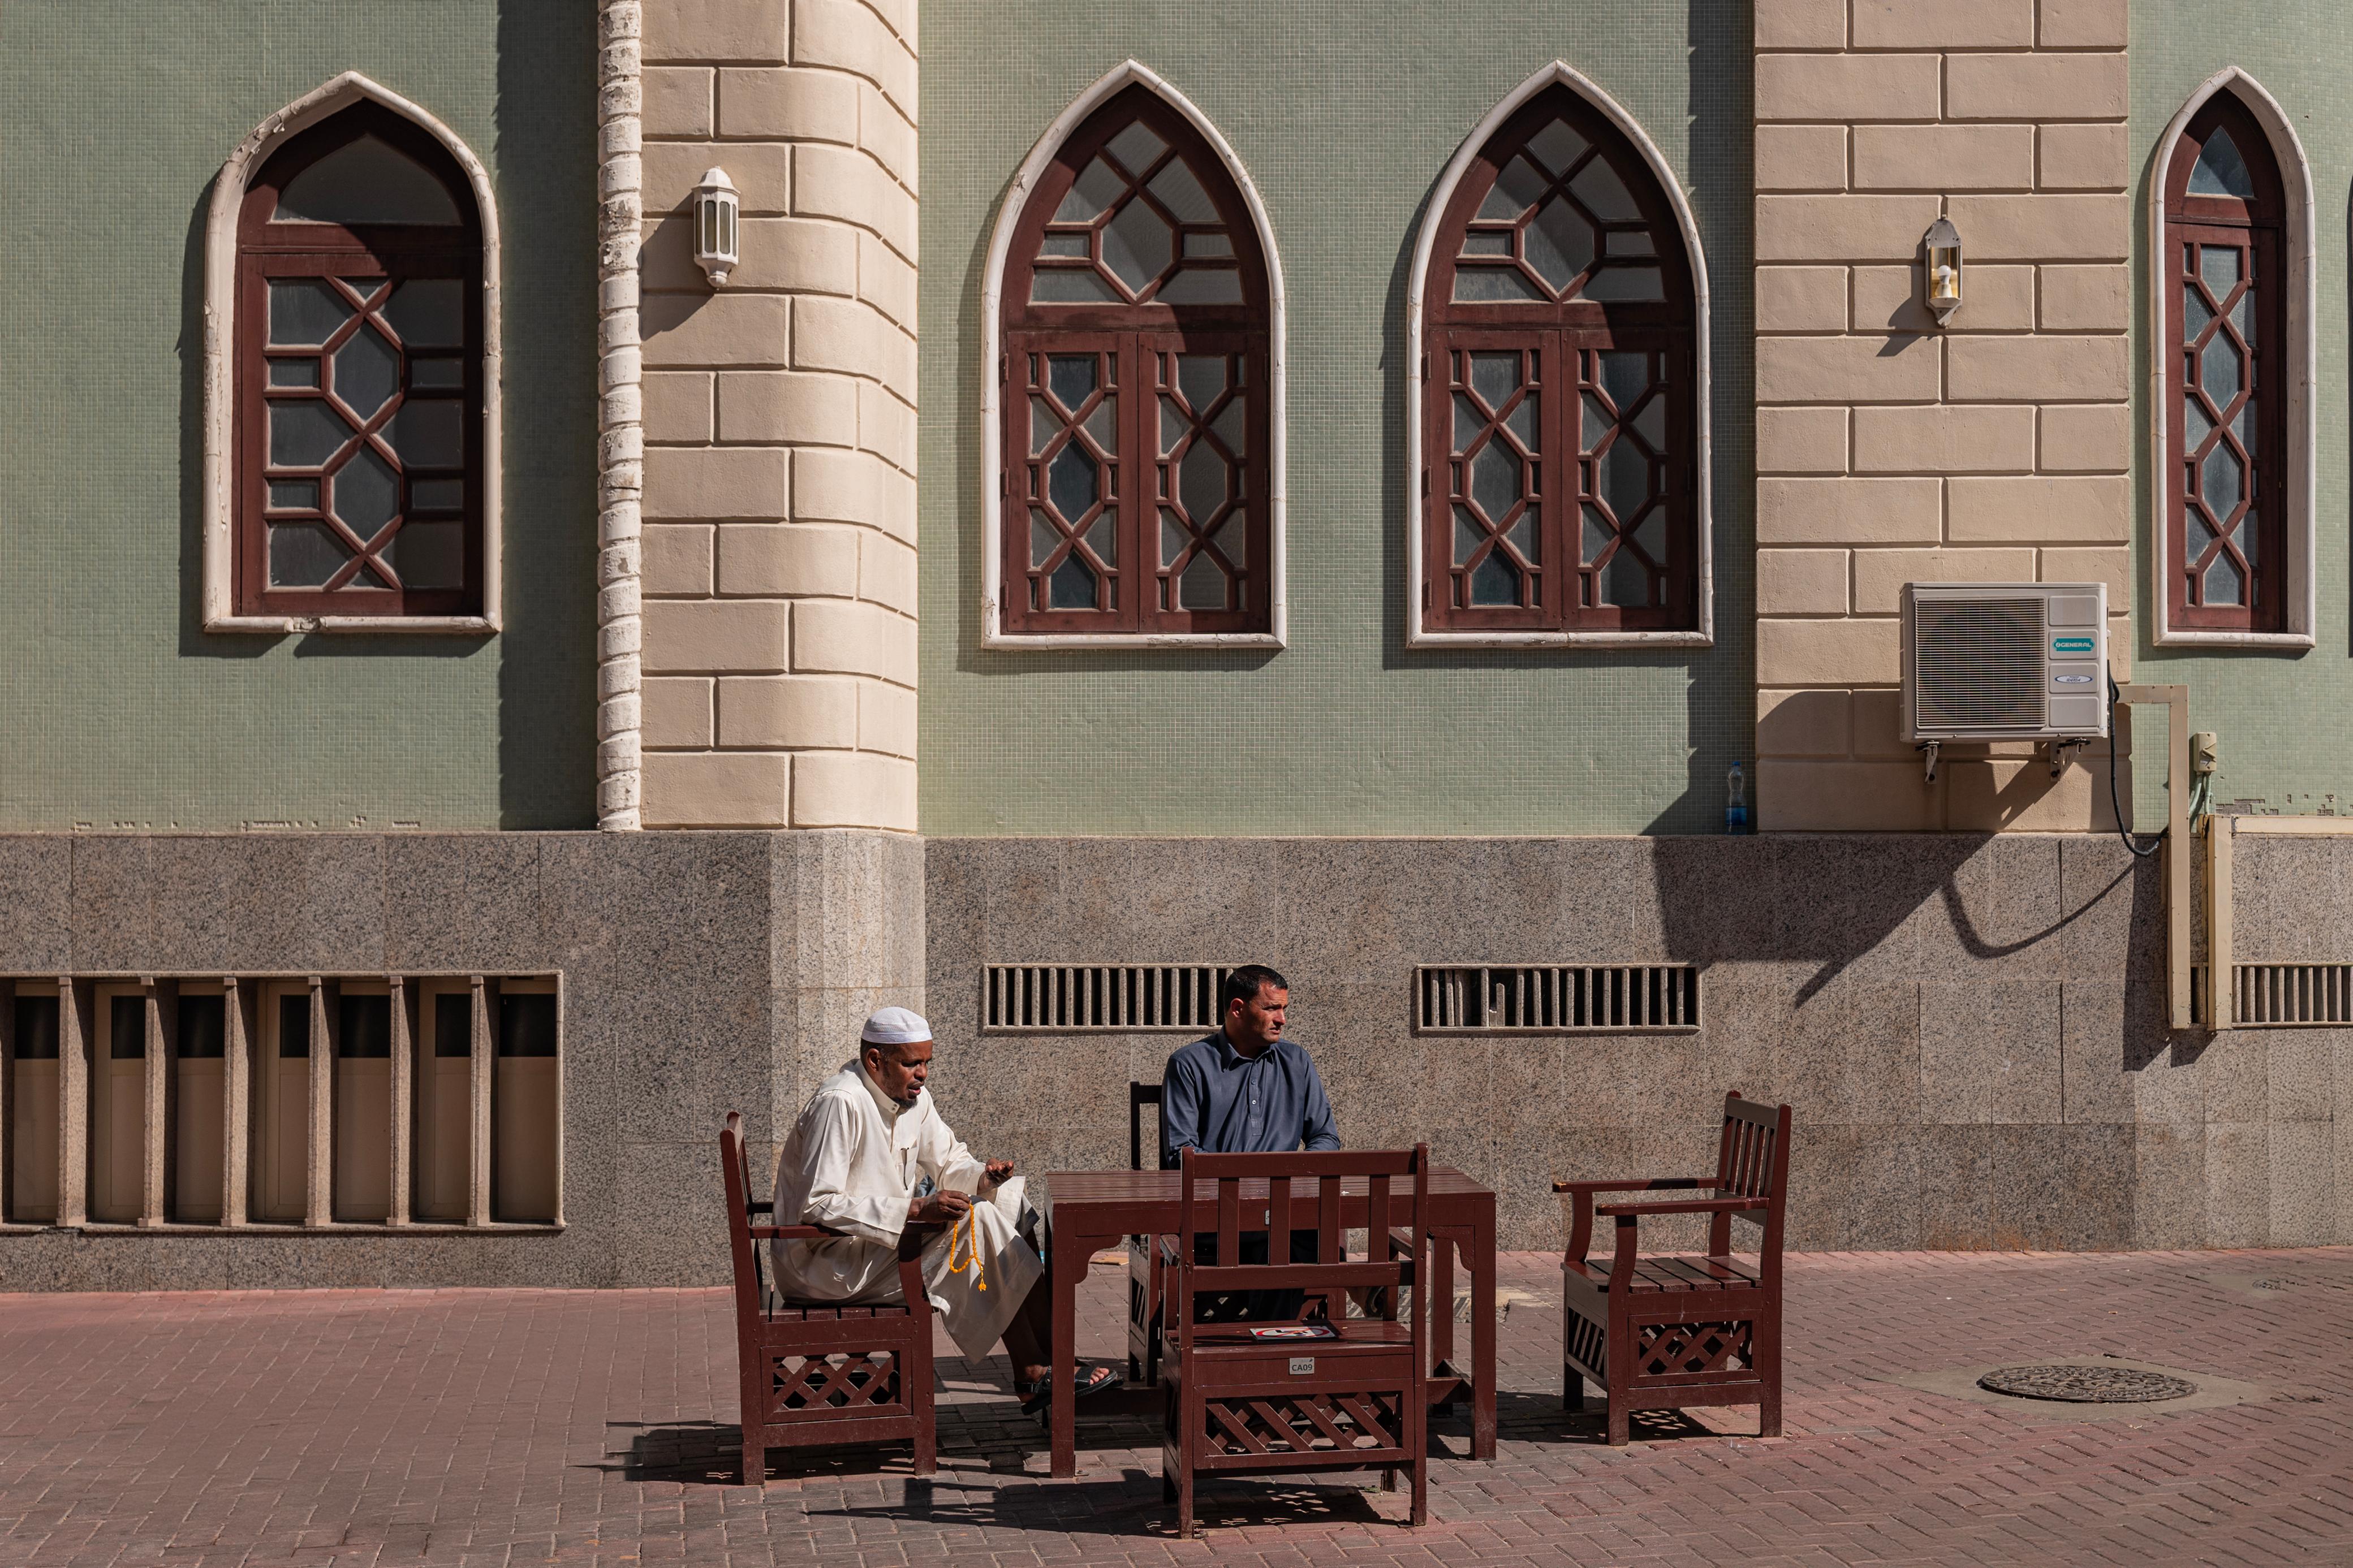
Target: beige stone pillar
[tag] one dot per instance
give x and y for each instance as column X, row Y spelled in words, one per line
column 319, row 1206
column 1889, row 451
column 160, row 1005
column 237, row 1034
column 779, row 407
column 402, row 1098
column 478, row 1104
column 76, row 1007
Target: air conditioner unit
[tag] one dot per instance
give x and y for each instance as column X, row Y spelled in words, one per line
column 2005, row 661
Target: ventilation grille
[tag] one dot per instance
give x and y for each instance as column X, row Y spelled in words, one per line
column 1558, row 998
column 2283, row 995
column 1075, row 999
column 1979, row 664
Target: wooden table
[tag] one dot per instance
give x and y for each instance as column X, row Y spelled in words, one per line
column 1092, row 1210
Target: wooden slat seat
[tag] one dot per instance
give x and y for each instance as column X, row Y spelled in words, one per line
column 1663, row 1331
column 813, row 1371
column 1214, row 1339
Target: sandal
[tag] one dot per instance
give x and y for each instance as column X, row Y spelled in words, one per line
column 1092, row 1379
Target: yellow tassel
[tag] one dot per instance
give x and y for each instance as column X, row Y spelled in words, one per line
column 971, row 1237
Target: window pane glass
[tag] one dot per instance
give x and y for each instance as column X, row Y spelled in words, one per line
column 127, row 1028
column 1138, row 245
column 1071, row 379
column 429, row 433
column 2195, row 425
column 1628, row 242
column 2195, row 314
column 366, row 181
column 1625, row 582
column 1044, row 538
column 1172, row 538
column 437, row 495
column 1135, row 147
column 2219, row 265
column 2225, row 583
column 1517, row 189
column 1201, row 378
column 1487, row 242
column 1234, row 536
column 1103, row 424
column 437, row 374
column 1203, row 586
column 1103, row 540
column 1467, row 534
column 305, row 433
column 1044, row 425
column 2220, row 171
column 428, row 554
column 1496, row 581
column 1557, row 146
column 366, row 492
column 1071, row 482
column 2218, row 479
column 1068, row 285
column 1559, row 243
column 302, row 312
column 1630, row 284
column 428, row 313
column 1522, row 423
column 1595, row 536
column 1523, row 536
column 1073, row 587
column 1478, row 285
column 1232, row 428
column 1091, row 194
column 293, row 373
column 303, row 554
column 294, row 495
column 527, row 1025
column 1074, row 247
column 2218, row 370
column 1494, row 376
column 1202, row 482
column 1182, row 195
column 1203, row 286
column 367, row 372
column 1604, row 193
column 364, row 1028
column 1212, row 245
column 1495, row 480
column 1624, row 478
column 1625, row 375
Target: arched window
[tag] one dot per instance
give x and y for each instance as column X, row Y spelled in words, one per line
column 358, row 466
column 1559, row 491
column 1136, row 385
column 2224, row 276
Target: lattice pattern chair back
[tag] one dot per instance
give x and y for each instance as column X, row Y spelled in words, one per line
column 1355, row 1400
column 814, row 1374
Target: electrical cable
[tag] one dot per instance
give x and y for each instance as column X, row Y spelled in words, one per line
column 2124, row 828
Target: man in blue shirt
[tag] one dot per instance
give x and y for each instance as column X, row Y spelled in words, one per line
column 1247, row 1090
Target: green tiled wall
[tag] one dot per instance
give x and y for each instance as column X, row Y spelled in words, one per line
column 117, row 711
column 2279, row 717
column 1344, row 114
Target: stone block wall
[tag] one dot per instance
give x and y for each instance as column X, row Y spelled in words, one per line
column 779, row 541
column 1970, row 1028
column 1888, row 451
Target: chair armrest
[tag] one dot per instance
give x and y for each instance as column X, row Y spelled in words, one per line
column 1622, row 1213
column 1647, row 1184
column 792, row 1233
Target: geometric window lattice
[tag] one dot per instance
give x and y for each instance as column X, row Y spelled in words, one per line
column 1135, row 320
column 1203, row 499
column 365, row 453
column 1495, row 458
column 1073, row 490
column 1561, row 332
column 1622, row 536
column 2225, row 534
column 1558, row 224
column 2219, row 548
column 1137, row 225
column 359, row 419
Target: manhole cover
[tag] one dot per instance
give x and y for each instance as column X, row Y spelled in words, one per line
column 2086, row 1384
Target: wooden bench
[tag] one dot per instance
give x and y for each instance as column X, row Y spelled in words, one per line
column 1355, row 1401
column 1670, row 1333
column 817, row 1374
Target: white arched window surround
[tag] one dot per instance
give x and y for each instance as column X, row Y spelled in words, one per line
column 1433, row 220
column 2303, row 353
column 992, row 464
column 219, row 359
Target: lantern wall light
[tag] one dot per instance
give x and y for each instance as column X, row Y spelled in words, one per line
column 1942, row 244
column 715, row 209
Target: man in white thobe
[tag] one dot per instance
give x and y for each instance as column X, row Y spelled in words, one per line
column 868, row 1157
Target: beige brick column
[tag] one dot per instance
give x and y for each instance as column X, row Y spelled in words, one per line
column 779, row 575
column 1889, row 451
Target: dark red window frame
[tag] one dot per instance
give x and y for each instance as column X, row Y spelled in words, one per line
column 1564, row 483
column 2199, row 500
column 1135, row 346
column 369, row 260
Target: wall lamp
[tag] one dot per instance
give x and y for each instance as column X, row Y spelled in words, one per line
column 715, row 208
column 1942, row 245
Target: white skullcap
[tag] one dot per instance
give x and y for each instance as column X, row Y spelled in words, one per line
column 894, row 1027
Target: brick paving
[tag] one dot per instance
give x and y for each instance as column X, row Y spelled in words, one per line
column 516, row 1428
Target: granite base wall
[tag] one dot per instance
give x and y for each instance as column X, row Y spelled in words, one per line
column 1970, row 1029
column 703, row 972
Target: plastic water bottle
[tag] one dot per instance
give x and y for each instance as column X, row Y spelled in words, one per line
column 1736, row 801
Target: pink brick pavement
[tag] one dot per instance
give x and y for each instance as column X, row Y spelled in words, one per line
column 519, row 1427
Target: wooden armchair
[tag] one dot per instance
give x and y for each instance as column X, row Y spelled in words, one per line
column 1357, row 1400
column 815, row 1373
column 1667, row 1332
